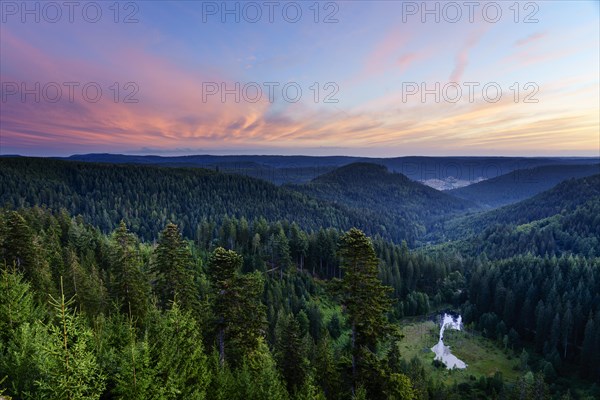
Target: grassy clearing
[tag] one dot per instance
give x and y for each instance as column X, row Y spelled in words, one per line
column 483, row 357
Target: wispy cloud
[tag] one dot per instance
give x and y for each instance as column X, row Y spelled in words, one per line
column 534, row 37
column 462, row 57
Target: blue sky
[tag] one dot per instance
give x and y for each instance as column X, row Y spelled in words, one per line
column 367, row 60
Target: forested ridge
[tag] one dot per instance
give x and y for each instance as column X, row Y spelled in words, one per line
column 522, row 183
column 575, row 231
column 562, row 198
column 148, row 196
column 362, row 195
column 371, row 189
column 241, row 305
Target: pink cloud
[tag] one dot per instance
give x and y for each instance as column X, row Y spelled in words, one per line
column 530, row 39
column 462, row 57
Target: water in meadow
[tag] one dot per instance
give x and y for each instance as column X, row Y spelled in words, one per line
column 442, row 352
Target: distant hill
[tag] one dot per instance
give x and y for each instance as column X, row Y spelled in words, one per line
column 149, row 196
column 372, row 190
column 521, row 184
column 302, row 169
column 564, row 198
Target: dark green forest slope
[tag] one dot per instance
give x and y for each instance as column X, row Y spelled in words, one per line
column 148, row 196
column 564, row 198
column 521, row 184
column 244, row 313
column 374, row 191
column 252, row 292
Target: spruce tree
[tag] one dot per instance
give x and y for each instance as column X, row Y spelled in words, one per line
column 21, row 336
column 241, row 316
column 290, row 354
column 129, row 285
column 177, row 354
column 365, row 300
column 173, row 270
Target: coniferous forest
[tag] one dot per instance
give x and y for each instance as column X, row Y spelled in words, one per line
column 140, row 282
column 299, row 200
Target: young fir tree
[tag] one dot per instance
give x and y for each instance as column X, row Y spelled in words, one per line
column 20, row 250
column 223, row 266
column 21, row 336
column 69, row 369
column 257, row 377
column 135, row 377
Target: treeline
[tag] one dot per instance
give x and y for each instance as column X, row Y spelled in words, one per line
column 374, row 191
column 85, row 315
column 88, row 315
column 574, row 232
column 553, row 303
column 564, row 198
column 521, row 184
column 147, row 197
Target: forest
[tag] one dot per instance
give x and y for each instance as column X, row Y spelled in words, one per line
column 131, row 282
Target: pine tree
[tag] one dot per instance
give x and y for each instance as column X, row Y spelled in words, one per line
column 135, row 377
column 327, row 375
column 222, row 268
column 19, row 249
column 588, row 348
column 298, row 245
column 257, row 378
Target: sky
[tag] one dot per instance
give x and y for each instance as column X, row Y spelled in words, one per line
column 365, row 78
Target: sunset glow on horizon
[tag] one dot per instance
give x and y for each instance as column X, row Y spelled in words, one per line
column 378, row 82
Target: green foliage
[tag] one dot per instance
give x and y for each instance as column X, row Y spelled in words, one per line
column 177, row 356
column 129, row 284
column 257, row 378
column 172, row 267
column 366, row 302
column 21, row 337
column 402, row 207
column 521, row 184
column 400, row 388
column 136, row 377
column 237, row 306
column 69, row 369
column 269, row 297
column 363, row 295
column 291, row 354
column 104, row 195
